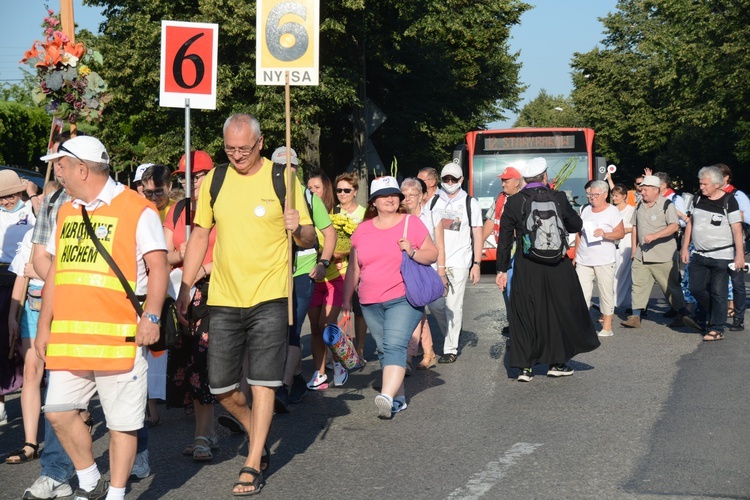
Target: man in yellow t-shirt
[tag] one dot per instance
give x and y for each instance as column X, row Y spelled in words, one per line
column 248, row 290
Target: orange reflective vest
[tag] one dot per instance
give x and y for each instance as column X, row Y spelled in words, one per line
column 92, row 313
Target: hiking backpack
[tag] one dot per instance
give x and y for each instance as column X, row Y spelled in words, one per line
column 545, row 240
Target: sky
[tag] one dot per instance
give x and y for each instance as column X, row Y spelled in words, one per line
column 547, row 37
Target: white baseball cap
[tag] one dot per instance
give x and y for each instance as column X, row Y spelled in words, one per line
column 83, row 147
column 140, row 170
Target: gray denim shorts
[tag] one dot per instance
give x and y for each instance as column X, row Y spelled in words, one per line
column 258, row 334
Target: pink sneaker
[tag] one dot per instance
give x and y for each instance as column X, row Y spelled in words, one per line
column 319, row 382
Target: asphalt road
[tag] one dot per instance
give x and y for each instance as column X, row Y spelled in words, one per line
column 653, row 413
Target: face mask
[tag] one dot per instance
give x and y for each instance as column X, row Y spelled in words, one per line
column 18, row 206
column 451, row 188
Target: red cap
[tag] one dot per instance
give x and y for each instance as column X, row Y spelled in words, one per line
column 510, row 173
column 199, row 161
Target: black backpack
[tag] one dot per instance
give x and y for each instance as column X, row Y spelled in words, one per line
column 544, row 237
column 279, row 187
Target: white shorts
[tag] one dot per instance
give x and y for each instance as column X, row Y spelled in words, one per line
column 122, row 394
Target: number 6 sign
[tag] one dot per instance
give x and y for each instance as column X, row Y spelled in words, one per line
column 287, row 34
column 188, row 64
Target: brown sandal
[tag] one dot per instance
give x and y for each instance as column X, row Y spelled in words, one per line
column 20, row 456
column 712, row 337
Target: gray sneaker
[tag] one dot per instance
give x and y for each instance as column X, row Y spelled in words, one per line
column 141, row 467
column 46, row 487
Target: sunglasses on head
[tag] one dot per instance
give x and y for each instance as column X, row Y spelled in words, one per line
column 344, row 190
column 449, row 179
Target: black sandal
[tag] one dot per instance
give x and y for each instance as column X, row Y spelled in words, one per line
column 21, row 455
column 258, row 482
column 447, row 358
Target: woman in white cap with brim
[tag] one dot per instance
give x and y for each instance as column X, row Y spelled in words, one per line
column 374, row 265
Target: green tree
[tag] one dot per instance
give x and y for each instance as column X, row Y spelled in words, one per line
column 669, row 89
column 437, row 68
column 24, row 132
column 548, row 111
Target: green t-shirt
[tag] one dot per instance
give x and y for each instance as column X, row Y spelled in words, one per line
column 305, row 259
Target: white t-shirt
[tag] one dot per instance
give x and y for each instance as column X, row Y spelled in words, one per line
column 597, row 253
column 22, row 257
column 149, row 233
column 451, row 213
column 13, row 225
column 627, row 217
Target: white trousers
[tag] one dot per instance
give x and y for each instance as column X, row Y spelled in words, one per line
column 449, row 310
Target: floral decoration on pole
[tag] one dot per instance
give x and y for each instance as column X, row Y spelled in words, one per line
column 68, row 88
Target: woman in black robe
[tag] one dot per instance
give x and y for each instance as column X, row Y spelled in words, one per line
column 549, row 320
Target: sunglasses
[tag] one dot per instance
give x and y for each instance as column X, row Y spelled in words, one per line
column 193, row 178
column 154, row 193
column 344, row 190
column 449, row 179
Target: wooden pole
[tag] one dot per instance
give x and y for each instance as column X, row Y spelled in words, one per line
column 67, row 20
column 290, row 197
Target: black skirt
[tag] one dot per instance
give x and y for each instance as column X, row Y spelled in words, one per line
column 549, row 320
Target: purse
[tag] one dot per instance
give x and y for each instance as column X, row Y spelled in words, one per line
column 169, row 330
column 423, row 284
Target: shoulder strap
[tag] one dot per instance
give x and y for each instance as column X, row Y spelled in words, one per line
column 434, row 201
column 178, row 208
column 53, row 199
column 108, row 258
column 666, row 205
column 278, row 182
column 406, row 224
column 220, row 173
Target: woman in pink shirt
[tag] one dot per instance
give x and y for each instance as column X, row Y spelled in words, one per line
column 374, row 266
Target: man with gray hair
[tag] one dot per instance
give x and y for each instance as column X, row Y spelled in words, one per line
column 89, row 333
column 654, row 254
column 715, row 229
column 249, row 288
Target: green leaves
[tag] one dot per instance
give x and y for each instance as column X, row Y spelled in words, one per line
column 670, row 88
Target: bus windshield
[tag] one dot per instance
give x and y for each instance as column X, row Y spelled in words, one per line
column 569, row 170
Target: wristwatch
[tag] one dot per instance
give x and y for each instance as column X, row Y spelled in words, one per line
column 325, row 262
column 477, row 263
column 153, row 318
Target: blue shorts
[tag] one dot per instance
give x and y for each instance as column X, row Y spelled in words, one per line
column 30, row 317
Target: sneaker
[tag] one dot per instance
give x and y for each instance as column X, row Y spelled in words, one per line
column 737, row 325
column 399, row 404
column 384, row 404
column 46, row 487
column 560, row 370
column 98, row 493
column 318, row 382
column 231, row 423
column 525, row 375
column 3, row 418
column 691, row 323
column 632, row 322
column 340, row 374
column 141, row 468
column 298, row 389
column 606, row 333
column 281, row 400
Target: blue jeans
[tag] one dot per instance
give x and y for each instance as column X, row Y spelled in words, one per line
column 391, row 324
column 707, row 273
column 303, row 290
column 55, row 462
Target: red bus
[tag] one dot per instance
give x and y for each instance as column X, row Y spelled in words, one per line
column 571, row 162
